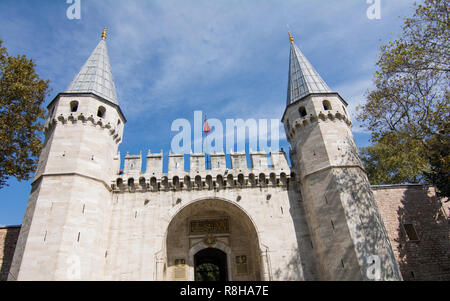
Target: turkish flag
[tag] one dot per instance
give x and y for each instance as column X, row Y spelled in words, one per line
column 206, row 127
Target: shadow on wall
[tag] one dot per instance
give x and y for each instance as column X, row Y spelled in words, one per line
column 302, row 264
column 293, row 270
column 371, row 238
column 423, row 236
column 9, row 239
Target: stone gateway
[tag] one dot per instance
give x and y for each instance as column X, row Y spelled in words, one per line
column 85, row 220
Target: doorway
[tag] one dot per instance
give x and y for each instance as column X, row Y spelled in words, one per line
column 210, row 265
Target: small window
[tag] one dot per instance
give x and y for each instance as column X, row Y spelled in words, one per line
column 411, row 232
column 302, row 112
column 74, row 106
column 101, row 112
column 327, row 105
column 288, row 125
column 118, row 122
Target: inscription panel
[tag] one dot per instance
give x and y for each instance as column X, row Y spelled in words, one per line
column 241, row 265
column 179, row 272
column 209, row 226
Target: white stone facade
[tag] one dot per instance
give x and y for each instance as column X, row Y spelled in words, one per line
column 88, row 220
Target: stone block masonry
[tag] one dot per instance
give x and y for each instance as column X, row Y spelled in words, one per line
column 8, row 240
column 418, row 226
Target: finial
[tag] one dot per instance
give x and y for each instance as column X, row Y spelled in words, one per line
column 104, row 34
column 291, row 38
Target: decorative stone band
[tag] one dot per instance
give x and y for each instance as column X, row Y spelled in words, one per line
column 324, row 116
column 96, row 121
column 69, row 174
column 202, row 182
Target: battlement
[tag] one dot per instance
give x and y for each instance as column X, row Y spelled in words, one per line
column 301, row 122
column 213, row 175
column 80, row 117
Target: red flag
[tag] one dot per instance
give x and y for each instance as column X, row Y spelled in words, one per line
column 206, row 127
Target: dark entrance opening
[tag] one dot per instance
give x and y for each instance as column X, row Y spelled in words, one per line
column 210, row 265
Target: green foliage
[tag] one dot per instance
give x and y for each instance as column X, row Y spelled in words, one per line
column 207, row 272
column 394, row 159
column 409, row 108
column 21, row 94
column 439, row 158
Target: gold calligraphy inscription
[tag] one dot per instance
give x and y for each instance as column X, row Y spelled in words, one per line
column 210, row 226
column 241, row 265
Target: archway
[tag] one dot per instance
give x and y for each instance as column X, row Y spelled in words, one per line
column 217, row 233
column 210, row 264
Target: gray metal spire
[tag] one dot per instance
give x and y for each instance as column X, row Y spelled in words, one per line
column 303, row 78
column 96, row 76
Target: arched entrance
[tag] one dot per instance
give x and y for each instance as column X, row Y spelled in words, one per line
column 212, row 239
column 210, row 265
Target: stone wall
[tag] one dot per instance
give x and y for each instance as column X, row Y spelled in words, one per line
column 428, row 256
column 8, row 240
column 425, row 259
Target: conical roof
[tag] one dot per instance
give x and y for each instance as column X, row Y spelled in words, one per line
column 303, row 78
column 96, row 76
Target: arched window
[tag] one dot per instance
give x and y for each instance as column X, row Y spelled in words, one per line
column 198, row 182
column 153, row 182
column 251, row 179
column 273, row 178
column 142, row 183
column 302, row 112
column 176, row 182
column 74, row 106
column 101, row 112
column 241, row 180
column 345, row 111
column 327, row 105
column 209, row 182
column 283, row 178
column 230, row 180
column 165, row 182
column 219, row 181
column 262, row 179
column 187, row 182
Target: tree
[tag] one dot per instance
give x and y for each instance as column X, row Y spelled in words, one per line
column 408, row 111
column 22, row 93
column 394, row 159
column 439, row 158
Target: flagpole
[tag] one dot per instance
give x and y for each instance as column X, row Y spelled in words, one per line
column 206, row 141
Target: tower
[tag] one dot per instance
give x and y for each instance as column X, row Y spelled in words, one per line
column 62, row 236
column 349, row 238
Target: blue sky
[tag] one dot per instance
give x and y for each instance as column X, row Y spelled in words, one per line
column 170, row 58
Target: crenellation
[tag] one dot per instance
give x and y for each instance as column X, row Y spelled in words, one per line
column 279, row 161
column 238, row 160
column 198, row 162
column 206, row 179
column 133, row 164
column 259, row 160
column 218, row 161
column 177, row 178
column 154, row 163
column 176, row 163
